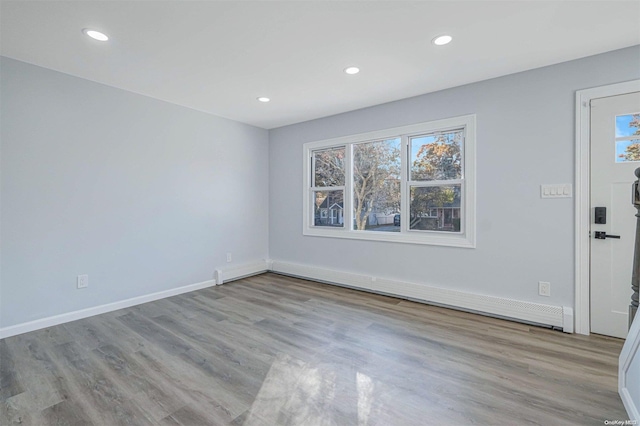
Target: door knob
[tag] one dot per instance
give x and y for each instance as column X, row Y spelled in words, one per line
column 601, row 235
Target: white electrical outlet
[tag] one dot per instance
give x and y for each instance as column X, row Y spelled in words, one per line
column 83, row 281
column 544, row 288
column 228, row 257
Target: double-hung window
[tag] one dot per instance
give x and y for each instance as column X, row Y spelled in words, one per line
column 327, row 186
column 412, row 184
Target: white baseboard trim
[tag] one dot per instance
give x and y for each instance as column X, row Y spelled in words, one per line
column 628, row 369
column 97, row 310
column 229, row 274
column 555, row 316
column 536, row 313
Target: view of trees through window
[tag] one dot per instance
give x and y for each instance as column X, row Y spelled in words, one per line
column 376, row 185
column 435, row 208
column 328, row 179
column 329, row 167
column 434, row 183
column 411, row 184
column 627, row 143
column 436, row 157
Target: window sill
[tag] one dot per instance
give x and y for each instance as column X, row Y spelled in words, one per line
column 434, row 239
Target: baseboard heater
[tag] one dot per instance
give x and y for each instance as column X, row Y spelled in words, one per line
column 556, row 317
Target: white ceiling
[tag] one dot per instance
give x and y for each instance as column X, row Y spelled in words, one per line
column 219, row 56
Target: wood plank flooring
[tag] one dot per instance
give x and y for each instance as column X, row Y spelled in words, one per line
column 274, row 350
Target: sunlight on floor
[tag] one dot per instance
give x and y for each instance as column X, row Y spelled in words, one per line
column 365, row 397
column 295, row 392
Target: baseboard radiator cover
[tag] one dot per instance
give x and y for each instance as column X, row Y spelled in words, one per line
column 225, row 275
column 528, row 312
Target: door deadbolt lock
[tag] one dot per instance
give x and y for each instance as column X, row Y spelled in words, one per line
column 601, row 235
column 600, row 215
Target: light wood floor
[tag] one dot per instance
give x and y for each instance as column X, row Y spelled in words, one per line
column 273, row 350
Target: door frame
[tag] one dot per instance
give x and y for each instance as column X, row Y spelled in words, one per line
column 582, row 208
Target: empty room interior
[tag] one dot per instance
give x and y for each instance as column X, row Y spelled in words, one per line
column 319, row 212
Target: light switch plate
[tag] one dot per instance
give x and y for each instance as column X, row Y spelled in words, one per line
column 557, row 190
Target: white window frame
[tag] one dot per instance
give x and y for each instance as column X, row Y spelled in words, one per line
column 466, row 238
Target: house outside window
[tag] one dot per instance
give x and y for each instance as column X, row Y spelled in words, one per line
column 328, row 183
column 411, row 184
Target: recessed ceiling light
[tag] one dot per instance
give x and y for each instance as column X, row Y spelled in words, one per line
column 352, row 70
column 263, row 99
column 96, row 35
column 442, row 40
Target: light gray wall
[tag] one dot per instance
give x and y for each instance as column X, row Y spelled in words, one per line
column 140, row 194
column 525, row 137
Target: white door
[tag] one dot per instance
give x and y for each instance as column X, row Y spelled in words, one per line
column 615, row 154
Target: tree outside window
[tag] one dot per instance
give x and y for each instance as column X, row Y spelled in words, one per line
column 408, row 184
